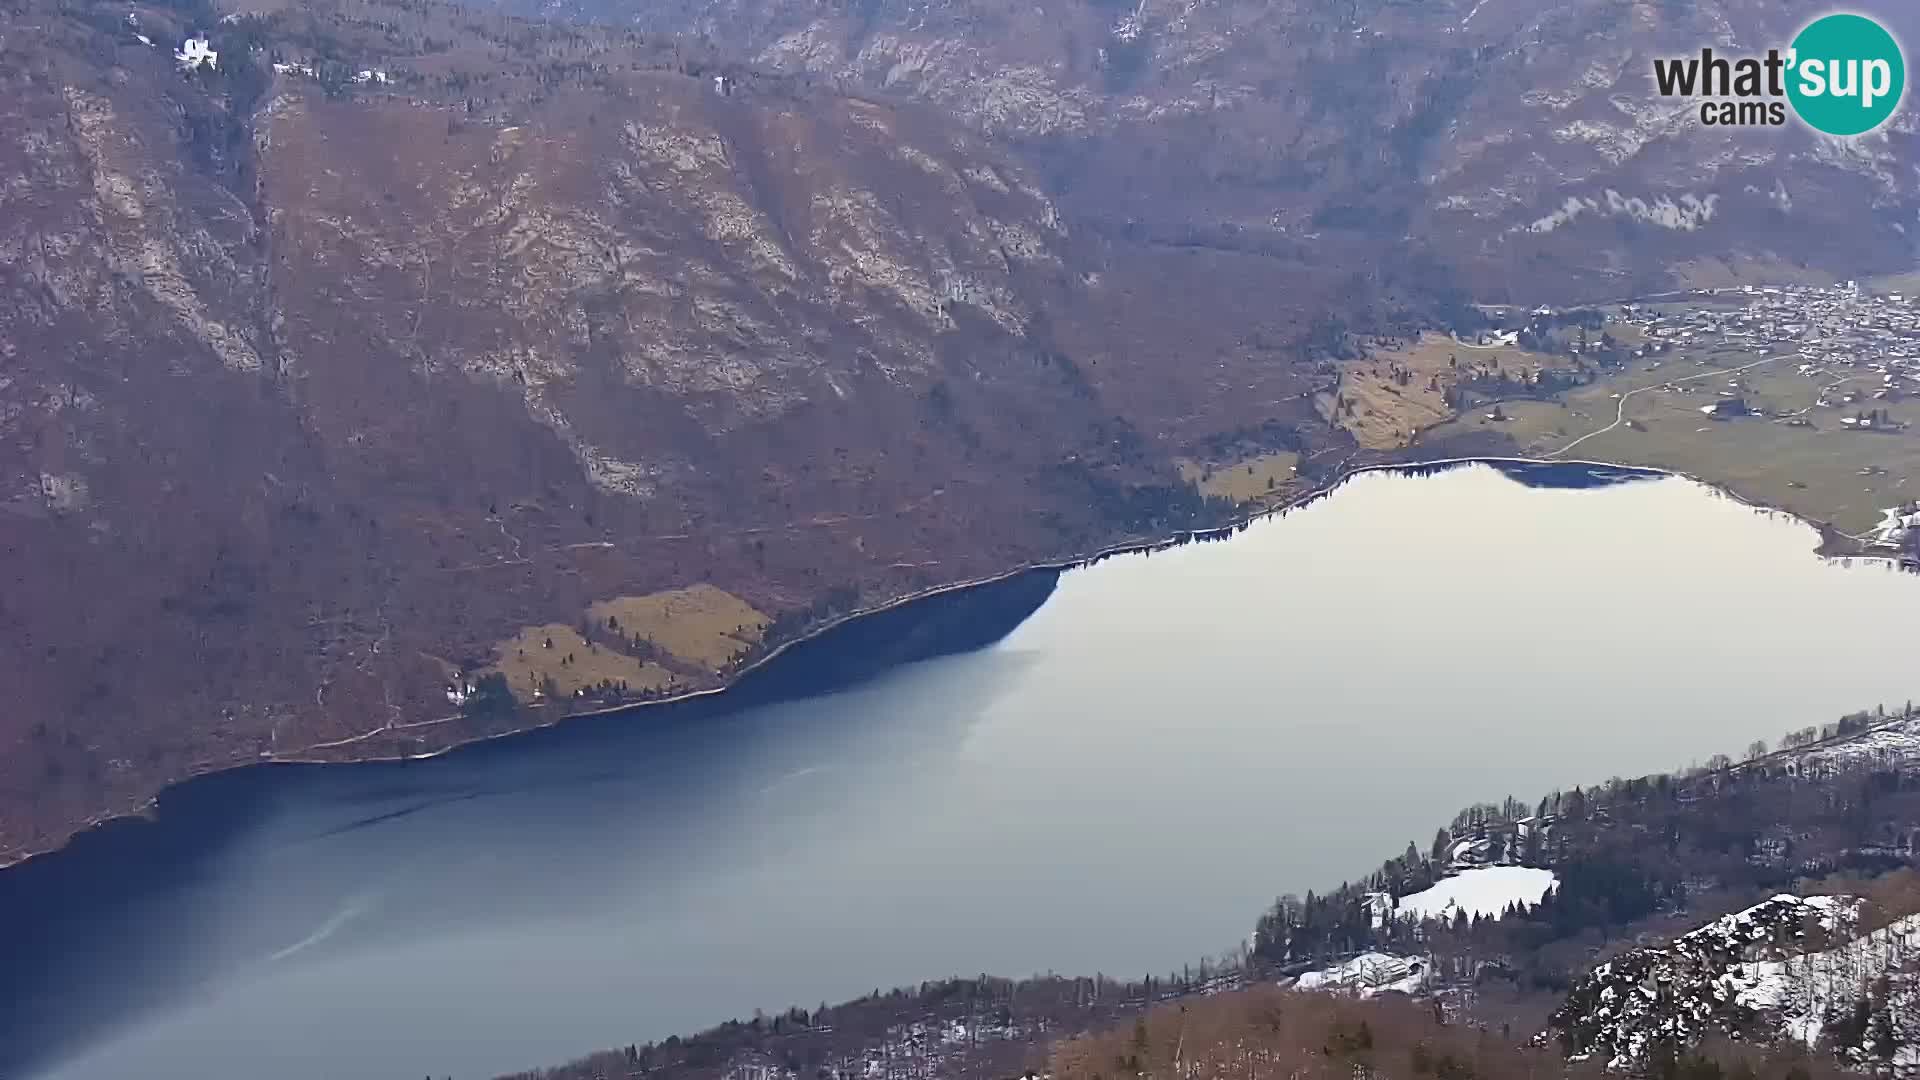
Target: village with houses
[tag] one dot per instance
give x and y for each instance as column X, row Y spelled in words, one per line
column 1804, row 398
column 1857, row 351
column 1861, row 347
column 1864, row 346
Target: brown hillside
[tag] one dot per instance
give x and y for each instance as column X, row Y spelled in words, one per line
column 318, row 392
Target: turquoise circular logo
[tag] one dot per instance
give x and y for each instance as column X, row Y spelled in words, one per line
column 1846, row 76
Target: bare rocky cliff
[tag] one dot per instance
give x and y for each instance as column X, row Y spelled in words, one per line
column 417, row 375
column 1523, row 142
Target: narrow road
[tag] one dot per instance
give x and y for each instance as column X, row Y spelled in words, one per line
column 1620, row 414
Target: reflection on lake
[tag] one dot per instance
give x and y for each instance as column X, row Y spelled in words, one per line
column 1121, row 783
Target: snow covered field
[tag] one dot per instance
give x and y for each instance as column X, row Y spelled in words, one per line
column 1485, row 891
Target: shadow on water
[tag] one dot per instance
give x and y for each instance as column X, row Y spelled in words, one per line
column 112, row 927
column 811, row 834
column 268, row 864
column 1546, row 475
column 1561, row 476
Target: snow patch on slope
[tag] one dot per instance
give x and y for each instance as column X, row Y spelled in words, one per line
column 1896, row 522
column 1686, row 214
column 1485, row 892
column 1890, row 745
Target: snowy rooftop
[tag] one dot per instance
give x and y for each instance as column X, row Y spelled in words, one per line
column 1366, row 975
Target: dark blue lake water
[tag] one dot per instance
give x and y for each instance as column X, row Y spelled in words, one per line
column 1132, row 761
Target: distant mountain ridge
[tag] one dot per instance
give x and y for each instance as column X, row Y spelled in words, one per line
column 1522, row 146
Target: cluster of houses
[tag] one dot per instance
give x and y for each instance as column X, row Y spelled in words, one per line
column 1864, row 347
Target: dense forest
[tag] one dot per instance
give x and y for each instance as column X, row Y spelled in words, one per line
column 1625, row 852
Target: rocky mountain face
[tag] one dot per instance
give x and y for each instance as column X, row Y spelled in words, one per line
column 1521, row 145
column 1810, row 970
column 408, row 346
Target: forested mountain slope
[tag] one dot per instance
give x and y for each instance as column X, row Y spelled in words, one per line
column 325, row 396
column 415, row 372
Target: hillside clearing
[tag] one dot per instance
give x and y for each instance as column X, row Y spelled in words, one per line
column 702, row 625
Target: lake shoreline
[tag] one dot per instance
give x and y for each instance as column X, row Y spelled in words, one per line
column 1828, row 547
column 976, row 762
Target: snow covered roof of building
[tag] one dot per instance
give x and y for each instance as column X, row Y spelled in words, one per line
column 1368, row 974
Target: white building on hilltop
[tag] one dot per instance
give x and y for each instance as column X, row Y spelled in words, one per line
column 194, row 53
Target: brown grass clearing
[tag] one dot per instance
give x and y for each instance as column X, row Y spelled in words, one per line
column 1243, row 480
column 1386, row 399
column 572, row 662
column 700, row 625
